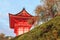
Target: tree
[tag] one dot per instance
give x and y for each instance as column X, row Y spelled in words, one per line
column 50, row 9
column 40, row 12
column 3, row 37
column 53, row 7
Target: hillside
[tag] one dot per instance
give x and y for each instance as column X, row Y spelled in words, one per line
column 47, row 31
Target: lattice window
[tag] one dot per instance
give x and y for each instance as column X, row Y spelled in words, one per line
column 20, row 30
column 26, row 29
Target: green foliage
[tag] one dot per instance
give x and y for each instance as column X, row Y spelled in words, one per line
column 47, row 31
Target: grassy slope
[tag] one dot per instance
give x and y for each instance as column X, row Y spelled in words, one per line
column 43, row 32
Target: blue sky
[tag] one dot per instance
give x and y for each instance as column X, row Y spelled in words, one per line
column 13, row 7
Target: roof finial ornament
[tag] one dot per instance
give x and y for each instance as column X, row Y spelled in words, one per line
column 23, row 8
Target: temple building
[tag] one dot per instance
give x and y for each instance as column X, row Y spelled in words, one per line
column 21, row 22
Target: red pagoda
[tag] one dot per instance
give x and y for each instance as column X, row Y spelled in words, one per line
column 21, row 22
